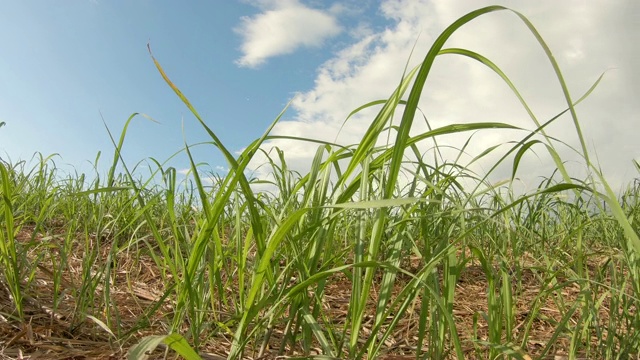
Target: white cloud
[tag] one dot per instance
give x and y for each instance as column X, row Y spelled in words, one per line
column 283, row 27
column 585, row 39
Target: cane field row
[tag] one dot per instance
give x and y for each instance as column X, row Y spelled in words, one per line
column 383, row 249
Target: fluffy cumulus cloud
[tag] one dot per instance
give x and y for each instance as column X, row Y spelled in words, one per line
column 282, row 27
column 586, row 39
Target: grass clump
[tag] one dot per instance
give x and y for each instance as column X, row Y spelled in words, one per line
column 376, row 252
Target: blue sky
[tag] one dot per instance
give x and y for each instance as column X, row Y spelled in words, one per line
column 64, row 64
